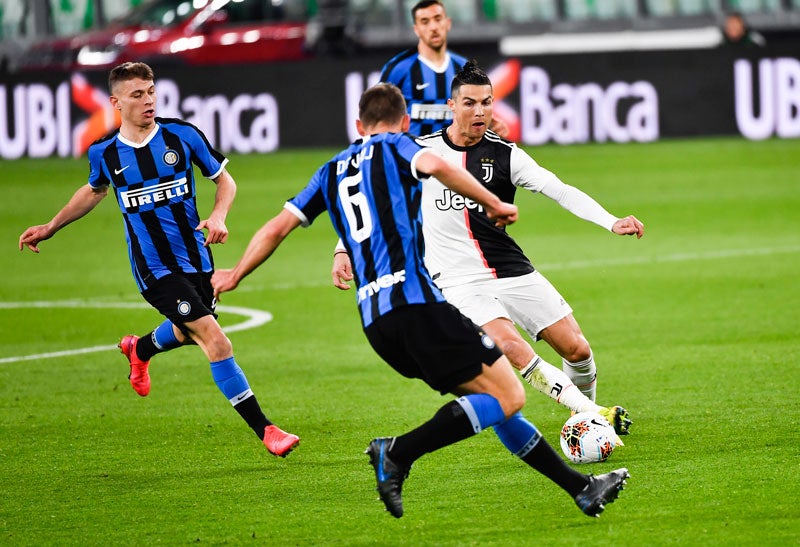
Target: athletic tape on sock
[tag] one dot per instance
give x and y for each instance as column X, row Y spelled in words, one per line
column 163, row 336
column 482, row 409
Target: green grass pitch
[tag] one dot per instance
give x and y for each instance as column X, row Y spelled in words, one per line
column 694, row 329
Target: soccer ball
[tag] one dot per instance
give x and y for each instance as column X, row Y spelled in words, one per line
column 587, row 437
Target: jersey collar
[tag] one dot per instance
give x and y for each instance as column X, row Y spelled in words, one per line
column 142, row 144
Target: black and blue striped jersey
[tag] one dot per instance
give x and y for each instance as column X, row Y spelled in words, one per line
column 426, row 88
column 372, row 193
column 155, row 189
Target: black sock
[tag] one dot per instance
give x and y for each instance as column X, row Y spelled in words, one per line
column 251, row 412
column 449, row 425
column 547, row 462
column 145, row 348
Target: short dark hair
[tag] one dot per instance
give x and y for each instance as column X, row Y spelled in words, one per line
column 470, row 74
column 422, row 4
column 129, row 71
column 382, row 102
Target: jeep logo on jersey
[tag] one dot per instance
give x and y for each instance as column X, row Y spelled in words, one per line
column 457, row 202
column 488, row 171
column 383, row 282
column 154, row 195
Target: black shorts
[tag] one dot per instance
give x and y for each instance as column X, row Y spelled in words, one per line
column 182, row 298
column 432, row 342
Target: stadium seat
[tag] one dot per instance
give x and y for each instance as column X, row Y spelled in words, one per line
column 522, row 11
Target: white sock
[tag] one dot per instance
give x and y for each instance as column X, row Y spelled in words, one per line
column 583, row 374
column 553, row 382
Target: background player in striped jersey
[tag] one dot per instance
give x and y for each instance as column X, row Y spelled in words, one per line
column 372, row 191
column 149, row 163
column 424, row 73
column 480, row 268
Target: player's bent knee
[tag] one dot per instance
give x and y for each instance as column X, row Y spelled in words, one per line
column 573, row 349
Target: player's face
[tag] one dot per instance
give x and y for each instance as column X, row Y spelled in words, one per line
column 136, row 101
column 472, row 112
column 431, row 26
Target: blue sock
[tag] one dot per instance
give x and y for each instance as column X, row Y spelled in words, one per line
column 230, row 380
column 518, row 435
column 164, row 336
column 482, row 409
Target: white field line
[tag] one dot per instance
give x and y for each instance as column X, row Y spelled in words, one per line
column 255, row 318
column 676, row 257
column 596, row 263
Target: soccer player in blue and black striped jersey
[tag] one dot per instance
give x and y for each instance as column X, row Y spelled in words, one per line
column 424, row 73
column 372, row 192
column 149, row 162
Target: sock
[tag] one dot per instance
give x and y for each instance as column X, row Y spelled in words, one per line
column 546, row 461
column 162, row 338
column 251, row 412
column 583, row 374
column 518, row 435
column 554, row 382
column 231, row 381
column 455, row 421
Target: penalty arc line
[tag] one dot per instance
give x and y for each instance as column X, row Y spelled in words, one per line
column 255, row 318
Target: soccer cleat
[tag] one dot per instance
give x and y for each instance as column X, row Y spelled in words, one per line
column 601, row 490
column 389, row 475
column 139, row 376
column 278, row 442
column 618, row 417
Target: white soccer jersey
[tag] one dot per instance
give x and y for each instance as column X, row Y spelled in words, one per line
column 462, row 244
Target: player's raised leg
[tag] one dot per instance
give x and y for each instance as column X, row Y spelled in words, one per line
column 232, row 382
column 548, row 379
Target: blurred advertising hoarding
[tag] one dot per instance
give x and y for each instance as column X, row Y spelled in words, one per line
column 565, row 99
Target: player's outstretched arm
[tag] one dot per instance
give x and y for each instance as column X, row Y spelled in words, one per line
column 629, row 225
column 223, row 199
column 83, row 200
column 261, row 246
column 462, row 182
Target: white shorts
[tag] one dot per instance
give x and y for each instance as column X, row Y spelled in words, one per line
column 529, row 300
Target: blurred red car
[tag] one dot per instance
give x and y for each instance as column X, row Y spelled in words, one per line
column 183, row 32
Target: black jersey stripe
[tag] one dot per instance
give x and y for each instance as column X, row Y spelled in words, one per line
column 417, row 91
column 141, row 271
column 187, row 235
column 146, row 163
column 160, row 240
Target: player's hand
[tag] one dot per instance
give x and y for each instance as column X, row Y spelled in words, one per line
column 342, row 271
column 500, row 127
column 31, row 237
column 223, row 281
column 217, row 231
column 629, row 225
column 504, row 214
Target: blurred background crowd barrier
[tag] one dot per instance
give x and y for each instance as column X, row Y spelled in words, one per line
column 260, row 75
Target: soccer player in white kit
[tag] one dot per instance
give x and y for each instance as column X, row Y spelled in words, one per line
column 480, row 268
